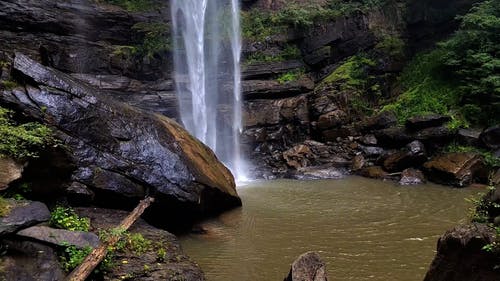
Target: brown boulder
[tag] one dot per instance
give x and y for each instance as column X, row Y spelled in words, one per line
column 374, row 172
column 458, row 169
column 298, row 156
column 10, row 171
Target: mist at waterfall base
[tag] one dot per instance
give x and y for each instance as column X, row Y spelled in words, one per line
column 207, row 50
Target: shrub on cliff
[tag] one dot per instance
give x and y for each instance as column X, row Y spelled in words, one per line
column 461, row 76
column 472, row 54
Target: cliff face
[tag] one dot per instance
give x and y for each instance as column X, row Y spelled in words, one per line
column 101, row 44
column 294, row 79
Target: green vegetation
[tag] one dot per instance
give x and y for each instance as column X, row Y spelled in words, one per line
column 460, row 77
column 426, row 89
column 66, row 218
column 290, row 76
column 289, row 52
column 259, row 25
column 156, row 38
column 132, row 5
column 489, row 158
column 472, row 55
column 4, row 207
column 391, row 45
column 353, row 80
column 73, row 257
column 22, row 140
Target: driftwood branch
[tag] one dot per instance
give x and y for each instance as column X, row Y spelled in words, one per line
column 97, row 255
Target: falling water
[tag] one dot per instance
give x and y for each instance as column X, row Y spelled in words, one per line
column 207, row 48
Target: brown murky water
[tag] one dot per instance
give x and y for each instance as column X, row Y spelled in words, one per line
column 364, row 229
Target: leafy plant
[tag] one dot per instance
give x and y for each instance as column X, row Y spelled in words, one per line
column 22, row 140
column 290, row 76
column 66, row 218
column 73, row 257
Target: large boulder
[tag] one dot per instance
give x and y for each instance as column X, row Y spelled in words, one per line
column 22, row 214
column 123, row 153
column 460, row 255
column 308, row 267
column 458, row 169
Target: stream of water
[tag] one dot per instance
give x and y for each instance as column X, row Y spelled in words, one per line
column 207, row 53
column 364, row 229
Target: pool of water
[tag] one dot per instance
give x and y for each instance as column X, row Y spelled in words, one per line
column 364, row 229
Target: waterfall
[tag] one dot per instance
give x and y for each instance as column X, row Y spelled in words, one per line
column 207, row 50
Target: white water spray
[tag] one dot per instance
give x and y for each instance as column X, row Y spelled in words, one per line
column 207, row 51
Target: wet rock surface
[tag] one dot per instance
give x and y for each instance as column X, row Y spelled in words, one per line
column 22, row 214
column 60, row 237
column 122, row 152
column 460, row 255
column 458, row 169
column 308, row 267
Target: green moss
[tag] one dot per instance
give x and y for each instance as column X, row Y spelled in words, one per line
column 290, row 76
column 4, row 207
column 352, row 81
column 352, row 73
column 22, row 140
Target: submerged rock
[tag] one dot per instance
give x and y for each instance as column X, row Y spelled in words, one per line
column 123, row 153
column 461, row 257
column 458, row 169
column 23, row 214
column 321, row 172
column 308, row 267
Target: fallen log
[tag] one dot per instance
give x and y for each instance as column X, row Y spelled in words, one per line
column 97, row 255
